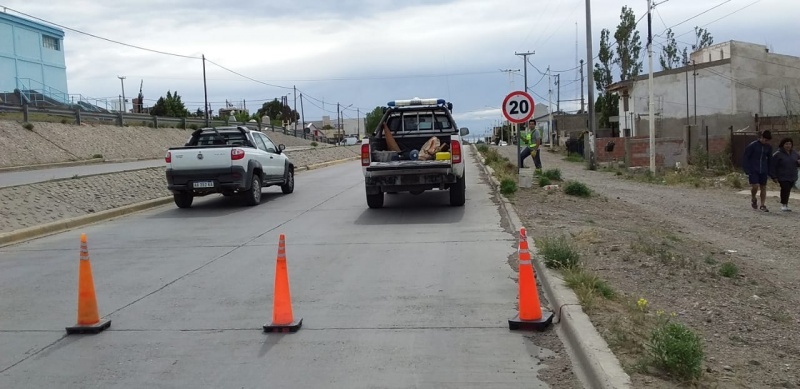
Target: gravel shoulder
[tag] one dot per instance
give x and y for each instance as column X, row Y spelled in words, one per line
column 35, row 204
column 667, row 244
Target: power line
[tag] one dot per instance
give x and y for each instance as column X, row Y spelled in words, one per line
column 723, row 17
column 700, row 14
column 249, row 78
column 102, row 38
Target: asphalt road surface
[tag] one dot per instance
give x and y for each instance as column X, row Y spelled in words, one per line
column 413, row 295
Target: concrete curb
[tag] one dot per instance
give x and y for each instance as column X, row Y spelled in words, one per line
column 51, row 165
column 595, row 364
column 325, row 164
column 39, row 231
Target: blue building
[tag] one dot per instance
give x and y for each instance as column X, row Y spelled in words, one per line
column 32, row 59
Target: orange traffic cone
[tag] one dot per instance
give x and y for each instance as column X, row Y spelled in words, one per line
column 88, row 317
column 531, row 316
column 282, row 317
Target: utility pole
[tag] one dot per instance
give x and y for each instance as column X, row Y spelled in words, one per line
column 338, row 122
column 122, row 81
column 358, row 123
column 583, row 107
column 302, row 112
column 549, row 106
column 687, row 93
column 519, row 127
column 294, row 110
column 205, row 89
column 651, row 105
column 694, row 81
column 590, row 83
column 558, row 92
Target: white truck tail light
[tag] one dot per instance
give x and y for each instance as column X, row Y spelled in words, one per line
column 168, row 158
column 455, row 151
column 365, row 154
column 237, row 154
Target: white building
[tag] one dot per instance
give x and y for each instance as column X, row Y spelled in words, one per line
column 733, row 81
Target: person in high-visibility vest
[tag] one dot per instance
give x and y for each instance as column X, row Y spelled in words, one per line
column 531, row 139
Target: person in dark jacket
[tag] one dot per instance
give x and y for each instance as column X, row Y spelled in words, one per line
column 756, row 164
column 783, row 170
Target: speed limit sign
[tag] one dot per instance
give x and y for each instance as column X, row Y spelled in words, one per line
column 518, row 107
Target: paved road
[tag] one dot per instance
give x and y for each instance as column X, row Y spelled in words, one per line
column 413, row 295
column 41, row 175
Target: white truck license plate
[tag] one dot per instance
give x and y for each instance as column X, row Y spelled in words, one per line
column 203, row 184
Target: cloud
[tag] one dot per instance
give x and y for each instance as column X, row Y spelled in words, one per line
column 367, row 52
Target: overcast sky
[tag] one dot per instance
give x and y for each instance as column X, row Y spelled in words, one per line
column 369, row 52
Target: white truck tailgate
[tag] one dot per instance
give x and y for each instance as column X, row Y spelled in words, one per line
column 206, row 158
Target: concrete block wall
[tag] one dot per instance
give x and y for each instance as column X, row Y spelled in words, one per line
column 635, row 151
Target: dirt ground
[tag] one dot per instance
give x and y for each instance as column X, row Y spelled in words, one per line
column 666, row 244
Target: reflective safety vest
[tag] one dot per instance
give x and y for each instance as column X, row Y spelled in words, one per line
column 527, row 139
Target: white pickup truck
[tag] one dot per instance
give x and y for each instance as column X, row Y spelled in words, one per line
column 413, row 125
column 228, row 160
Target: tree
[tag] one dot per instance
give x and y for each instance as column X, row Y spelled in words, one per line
column 670, row 57
column 200, row 113
column 629, row 46
column 278, row 113
column 602, row 69
column 171, row 106
column 241, row 116
column 606, row 104
column 371, row 121
column 702, row 40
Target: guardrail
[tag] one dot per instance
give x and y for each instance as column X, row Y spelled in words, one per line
column 123, row 119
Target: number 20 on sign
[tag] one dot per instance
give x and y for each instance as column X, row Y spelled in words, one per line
column 518, row 107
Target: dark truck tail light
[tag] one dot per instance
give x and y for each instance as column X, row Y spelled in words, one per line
column 455, row 151
column 365, row 154
column 168, row 158
column 237, row 154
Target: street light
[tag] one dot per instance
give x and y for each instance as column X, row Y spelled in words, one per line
column 122, row 81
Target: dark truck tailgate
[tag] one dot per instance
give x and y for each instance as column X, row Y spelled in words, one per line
column 409, row 167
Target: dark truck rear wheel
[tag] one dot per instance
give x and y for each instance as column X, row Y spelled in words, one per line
column 458, row 192
column 375, row 200
column 183, row 199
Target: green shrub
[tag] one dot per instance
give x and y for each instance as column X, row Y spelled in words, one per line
column 677, row 350
column 193, row 126
column 574, row 188
column 587, row 286
column 64, row 121
column 553, row 174
column 314, row 144
column 483, row 148
column 558, row 253
column 543, row 180
column 97, row 155
column 28, row 126
column 508, row 186
column 729, row 269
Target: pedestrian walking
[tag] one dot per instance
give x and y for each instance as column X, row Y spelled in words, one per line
column 783, row 170
column 756, row 164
